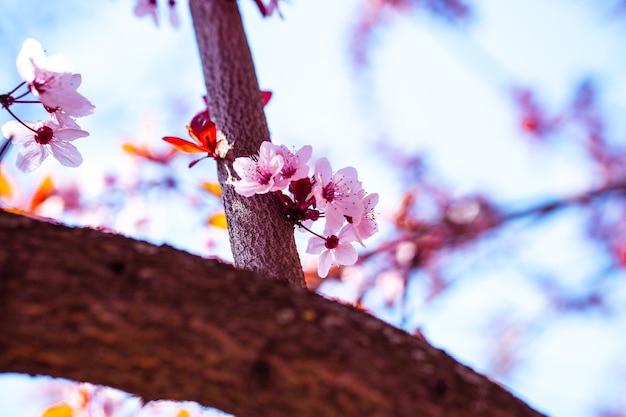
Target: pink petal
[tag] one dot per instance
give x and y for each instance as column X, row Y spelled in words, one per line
column 346, row 234
column 60, row 64
column 345, row 254
column 69, row 134
column 248, row 189
column 334, row 220
column 365, row 229
column 69, row 101
column 323, row 171
column 323, row 263
column 347, row 179
column 66, row 153
column 18, row 133
column 28, row 59
column 316, row 245
column 244, row 167
column 31, row 156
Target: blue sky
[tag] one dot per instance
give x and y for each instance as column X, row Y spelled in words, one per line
column 429, row 88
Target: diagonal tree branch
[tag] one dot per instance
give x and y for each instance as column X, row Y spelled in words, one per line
column 163, row 324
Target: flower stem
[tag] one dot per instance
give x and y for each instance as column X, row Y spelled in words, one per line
column 299, row 224
column 19, row 120
column 17, row 88
column 5, row 148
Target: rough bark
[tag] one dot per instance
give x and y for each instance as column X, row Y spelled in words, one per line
column 261, row 240
column 162, row 324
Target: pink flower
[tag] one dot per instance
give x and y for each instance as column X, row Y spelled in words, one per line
column 295, row 165
column 150, row 8
column 42, row 138
column 50, row 79
column 366, row 226
column 147, row 7
column 337, row 194
column 335, row 249
column 259, row 174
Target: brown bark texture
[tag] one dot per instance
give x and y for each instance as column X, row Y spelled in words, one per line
column 160, row 323
column 261, row 239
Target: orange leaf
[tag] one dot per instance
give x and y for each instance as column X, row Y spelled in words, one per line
column 146, row 152
column 213, row 188
column 58, row 410
column 183, row 145
column 218, row 220
column 83, row 393
column 132, row 149
column 43, row 191
column 5, row 187
column 14, row 210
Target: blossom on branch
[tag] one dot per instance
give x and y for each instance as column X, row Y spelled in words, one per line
column 366, row 226
column 338, row 198
column 40, row 139
column 273, row 169
column 295, row 166
column 50, row 79
column 337, row 194
column 259, row 174
column 335, row 249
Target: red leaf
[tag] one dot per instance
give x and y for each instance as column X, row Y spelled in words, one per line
column 183, row 145
column 267, row 95
column 45, row 189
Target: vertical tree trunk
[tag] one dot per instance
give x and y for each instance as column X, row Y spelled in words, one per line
column 261, row 239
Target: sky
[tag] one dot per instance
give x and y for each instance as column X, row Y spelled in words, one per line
column 429, row 88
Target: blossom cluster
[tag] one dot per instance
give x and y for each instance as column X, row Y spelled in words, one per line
column 338, row 198
column 51, row 81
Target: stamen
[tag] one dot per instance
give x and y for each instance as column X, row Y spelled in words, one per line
column 44, row 135
column 332, row 242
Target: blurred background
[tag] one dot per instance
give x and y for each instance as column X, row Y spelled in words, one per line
column 493, row 131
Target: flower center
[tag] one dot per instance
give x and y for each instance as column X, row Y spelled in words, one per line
column 329, row 192
column 288, row 171
column 264, row 176
column 332, row 242
column 44, row 135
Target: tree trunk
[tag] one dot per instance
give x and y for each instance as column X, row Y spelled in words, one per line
column 261, row 239
column 162, row 324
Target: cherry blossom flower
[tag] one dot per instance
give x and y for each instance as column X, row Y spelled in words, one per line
column 335, row 249
column 50, row 79
column 367, row 226
column 337, row 194
column 259, row 173
column 295, row 165
column 150, row 8
column 147, row 7
column 40, row 139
